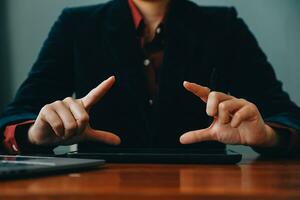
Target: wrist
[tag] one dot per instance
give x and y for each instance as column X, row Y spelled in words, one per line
column 30, row 135
column 272, row 139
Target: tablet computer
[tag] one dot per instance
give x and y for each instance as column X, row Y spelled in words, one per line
column 148, row 155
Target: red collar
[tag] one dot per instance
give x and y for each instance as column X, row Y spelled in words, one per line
column 137, row 17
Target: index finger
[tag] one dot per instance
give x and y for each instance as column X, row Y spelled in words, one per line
column 97, row 93
column 198, row 90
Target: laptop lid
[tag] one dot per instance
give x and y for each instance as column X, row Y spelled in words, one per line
column 28, row 166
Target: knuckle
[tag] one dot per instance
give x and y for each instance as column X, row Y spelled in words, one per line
column 57, row 125
column 253, row 109
column 78, row 101
column 243, row 101
column 46, row 108
column 71, row 126
column 252, row 106
column 222, row 106
column 57, row 103
column 213, row 95
column 238, row 116
column 84, row 119
column 69, row 99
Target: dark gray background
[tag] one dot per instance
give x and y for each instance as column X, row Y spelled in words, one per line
column 24, row 26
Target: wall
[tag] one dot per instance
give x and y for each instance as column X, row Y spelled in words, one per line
column 5, row 72
column 274, row 22
column 29, row 23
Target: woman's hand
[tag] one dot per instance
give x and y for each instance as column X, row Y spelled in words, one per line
column 67, row 122
column 236, row 121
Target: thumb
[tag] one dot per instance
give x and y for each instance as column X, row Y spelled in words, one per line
column 101, row 136
column 197, row 136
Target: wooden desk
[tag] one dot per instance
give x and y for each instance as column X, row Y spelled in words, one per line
column 249, row 180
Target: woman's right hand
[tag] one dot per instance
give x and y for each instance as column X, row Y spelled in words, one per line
column 67, row 122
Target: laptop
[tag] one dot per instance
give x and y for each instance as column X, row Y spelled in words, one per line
column 167, row 156
column 28, row 166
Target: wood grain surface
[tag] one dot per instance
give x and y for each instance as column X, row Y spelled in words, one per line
column 250, row 179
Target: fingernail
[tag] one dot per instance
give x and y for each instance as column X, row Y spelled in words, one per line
column 185, row 83
column 110, row 78
column 183, row 139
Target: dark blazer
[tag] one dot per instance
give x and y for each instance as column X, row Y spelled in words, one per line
column 88, row 44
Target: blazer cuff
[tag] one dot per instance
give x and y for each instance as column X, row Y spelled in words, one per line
column 10, row 143
column 16, row 140
column 287, row 140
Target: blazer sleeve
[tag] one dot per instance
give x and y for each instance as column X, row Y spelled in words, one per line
column 252, row 77
column 50, row 79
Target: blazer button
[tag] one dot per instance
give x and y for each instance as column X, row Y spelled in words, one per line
column 158, row 30
column 146, row 62
column 150, row 102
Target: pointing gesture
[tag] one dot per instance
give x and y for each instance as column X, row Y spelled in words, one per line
column 67, row 122
column 236, row 121
column 97, row 93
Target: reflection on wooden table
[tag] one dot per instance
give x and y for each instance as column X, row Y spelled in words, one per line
column 251, row 179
